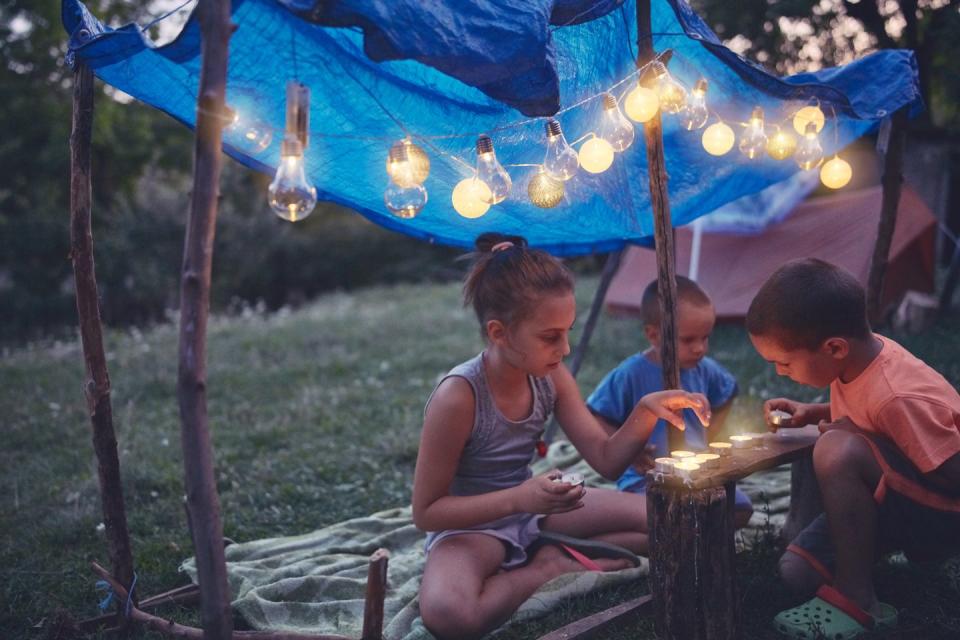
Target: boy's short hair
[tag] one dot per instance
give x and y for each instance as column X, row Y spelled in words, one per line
column 687, row 291
column 807, row 301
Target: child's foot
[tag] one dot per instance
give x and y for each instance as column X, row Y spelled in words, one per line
column 555, row 561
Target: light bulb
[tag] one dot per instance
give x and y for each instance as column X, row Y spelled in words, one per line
column 809, row 153
column 545, row 191
column 718, row 139
column 836, row 173
column 247, row 134
column 672, row 95
column 407, row 164
column 290, row 195
column 491, row 172
column 641, row 104
column 471, row 197
column 807, row 115
column 614, row 127
column 404, row 202
column 560, row 161
column 781, row 145
column 695, row 114
column 596, row 155
column 754, row 139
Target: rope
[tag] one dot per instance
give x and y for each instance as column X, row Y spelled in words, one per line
column 166, row 15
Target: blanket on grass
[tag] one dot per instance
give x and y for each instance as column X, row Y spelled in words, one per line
column 316, row 582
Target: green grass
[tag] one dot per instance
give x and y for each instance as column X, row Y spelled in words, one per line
column 315, row 416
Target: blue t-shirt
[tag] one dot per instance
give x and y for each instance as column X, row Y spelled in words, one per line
column 621, row 389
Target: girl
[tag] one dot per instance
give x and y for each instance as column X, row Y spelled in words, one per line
column 473, row 488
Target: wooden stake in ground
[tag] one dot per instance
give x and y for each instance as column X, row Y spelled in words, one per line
column 203, row 503
column 97, row 384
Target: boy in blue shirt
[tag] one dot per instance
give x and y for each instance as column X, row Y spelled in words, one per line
column 641, row 373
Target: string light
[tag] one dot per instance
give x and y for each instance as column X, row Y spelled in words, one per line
column 614, row 127
column 596, row 155
column 471, row 197
column 754, row 139
column 641, row 104
column 805, row 116
column 404, row 197
column 718, row 139
column 545, row 191
column 671, row 94
column 809, row 152
column 290, row 195
column 836, row 173
column 560, row 161
column 491, row 172
column 781, row 145
column 695, row 114
column 407, row 164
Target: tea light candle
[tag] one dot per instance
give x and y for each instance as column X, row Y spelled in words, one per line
column 707, row 460
column 778, row 417
column 681, row 455
column 685, row 469
column 721, row 448
column 665, row 465
column 570, row 478
column 743, row 441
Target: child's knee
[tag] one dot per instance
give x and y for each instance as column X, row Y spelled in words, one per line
column 446, row 617
column 840, row 451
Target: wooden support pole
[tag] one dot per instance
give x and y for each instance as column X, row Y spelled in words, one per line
column 692, row 567
column 97, row 385
column 376, row 592
column 892, row 182
column 663, row 230
column 203, row 502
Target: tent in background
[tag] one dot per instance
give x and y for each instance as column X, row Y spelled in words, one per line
column 839, row 228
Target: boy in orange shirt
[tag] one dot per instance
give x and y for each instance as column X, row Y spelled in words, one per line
column 888, row 459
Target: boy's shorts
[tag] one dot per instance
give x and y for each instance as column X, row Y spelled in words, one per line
column 913, row 517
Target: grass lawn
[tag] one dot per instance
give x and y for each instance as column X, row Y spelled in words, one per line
column 315, row 416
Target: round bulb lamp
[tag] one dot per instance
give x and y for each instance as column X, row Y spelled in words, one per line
column 471, row 198
column 836, row 173
column 718, row 139
column 807, row 115
column 781, row 145
column 641, row 104
column 596, row 155
column 544, row 191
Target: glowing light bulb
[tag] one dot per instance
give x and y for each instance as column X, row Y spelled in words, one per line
column 404, row 202
column 754, row 139
column 641, row 104
column 545, row 191
column 561, row 161
column 718, row 139
column 596, row 155
column 246, row 133
column 407, row 164
column 471, row 197
column 672, row 95
column 805, row 116
column 491, row 172
column 836, row 173
column 694, row 115
column 809, row 153
column 290, row 195
column 781, row 145
column 614, row 127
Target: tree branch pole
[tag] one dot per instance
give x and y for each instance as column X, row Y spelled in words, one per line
column 892, row 183
column 203, row 502
column 663, row 231
column 97, row 385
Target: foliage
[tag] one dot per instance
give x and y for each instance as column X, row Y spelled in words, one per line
column 315, row 416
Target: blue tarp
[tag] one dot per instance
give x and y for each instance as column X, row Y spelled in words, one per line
column 447, row 70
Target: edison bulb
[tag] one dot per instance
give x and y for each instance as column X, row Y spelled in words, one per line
column 672, row 95
column 695, row 114
column 407, row 163
column 471, row 198
column 718, row 139
column 405, row 202
column 491, row 172
column 596, row 155
column 754, row 139
column 805, row 116
column 781, row 145
column 248, row 134
column 641, row 104
column 561, row 161
column 544, row 191
column 614, row 127
column 809, row 153
column 836, row 173
column 290, row 195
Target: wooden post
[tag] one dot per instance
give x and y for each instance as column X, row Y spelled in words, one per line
column 202, row 500
column 97, row 385
column 376, row 592
column 692, row 565
column 663, row 230
column 892, row 182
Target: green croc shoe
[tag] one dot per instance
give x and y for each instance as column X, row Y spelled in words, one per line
column 831, row 615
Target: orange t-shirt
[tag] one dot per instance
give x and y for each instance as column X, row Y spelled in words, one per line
column 901, row 398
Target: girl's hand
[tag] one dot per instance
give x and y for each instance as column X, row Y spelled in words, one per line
column 543, row 494
column 669, row 405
